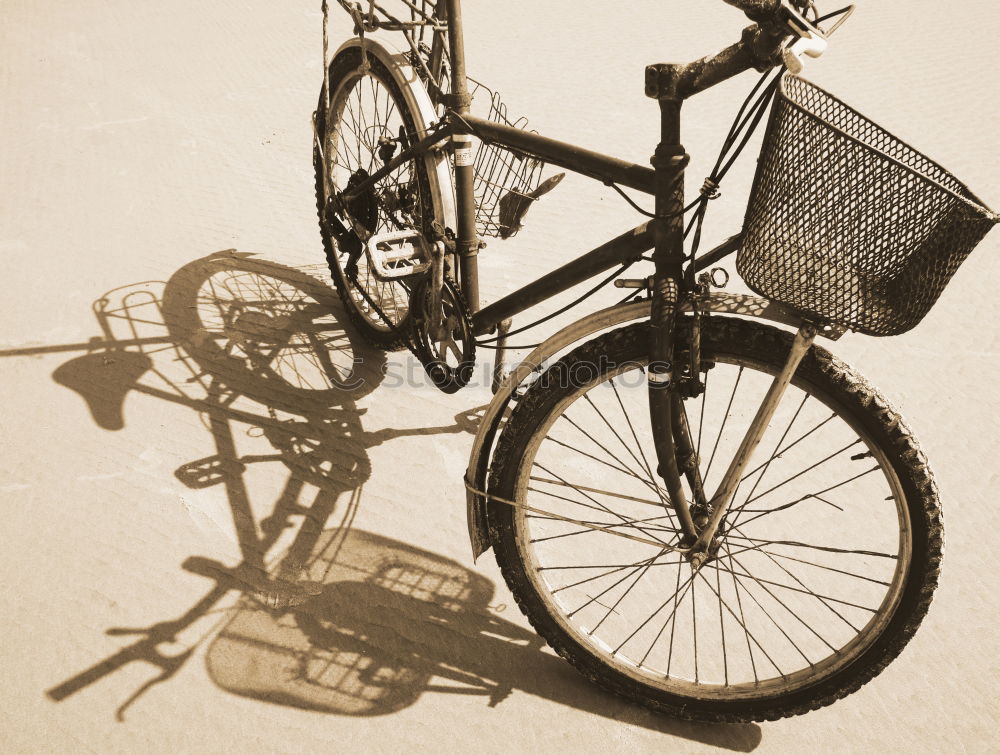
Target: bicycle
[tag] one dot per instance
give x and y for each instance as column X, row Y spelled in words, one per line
column 607, row 532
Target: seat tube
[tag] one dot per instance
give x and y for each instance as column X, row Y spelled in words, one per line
column 668, row 163
column 467, row 243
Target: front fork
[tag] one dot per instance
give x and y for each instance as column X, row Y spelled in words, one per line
column 675, row 452
column 666, row 408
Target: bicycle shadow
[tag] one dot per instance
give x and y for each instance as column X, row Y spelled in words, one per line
column 321, row 616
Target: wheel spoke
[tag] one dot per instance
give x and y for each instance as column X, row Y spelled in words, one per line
column 790, row 446
column 591, row 599
column 635, row 437
column 671, row 619
column 746, row 630
column 741, row 619
column 774, row 621
column 799, row 474
column 828, row 549
column 595, row 490
column 762, row 582
column 575, row 449
column 622, row 464
column 642, row 463
column 594, row 500
column 592, row 526
column 621, row 597
column 766, row 512
column 652, row 615
column 611, row 570
column 774, row 455
column 822, row 599
column 825, row 567
column 725, row 419
column 722, row 626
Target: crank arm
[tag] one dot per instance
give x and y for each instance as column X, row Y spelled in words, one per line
column 436, row 322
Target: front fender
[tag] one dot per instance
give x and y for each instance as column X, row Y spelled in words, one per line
column 482, row 446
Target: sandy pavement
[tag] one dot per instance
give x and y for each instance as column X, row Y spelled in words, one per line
column 141, row 140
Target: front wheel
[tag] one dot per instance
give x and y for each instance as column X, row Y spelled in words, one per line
column 824, row 565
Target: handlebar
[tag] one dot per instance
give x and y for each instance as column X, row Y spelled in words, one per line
column 762, row 46
column 679, row 82
column 770, row 13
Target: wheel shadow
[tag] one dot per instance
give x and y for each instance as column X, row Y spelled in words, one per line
column 316, row 615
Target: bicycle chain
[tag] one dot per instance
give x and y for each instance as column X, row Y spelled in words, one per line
column 406, row 336
column 457, row 378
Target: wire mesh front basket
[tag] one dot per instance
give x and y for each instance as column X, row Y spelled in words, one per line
column 501, row 173
column 848, row 224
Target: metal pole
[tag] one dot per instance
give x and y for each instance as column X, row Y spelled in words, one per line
column 467, row 244
column 668, row 255
column 723, row 497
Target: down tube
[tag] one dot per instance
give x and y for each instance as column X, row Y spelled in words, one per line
column 625, row 248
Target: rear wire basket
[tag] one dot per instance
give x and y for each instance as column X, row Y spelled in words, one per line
column 500, row 171
column 846, row 223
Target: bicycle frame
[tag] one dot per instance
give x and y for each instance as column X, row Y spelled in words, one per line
column 672, row 285
column 627, row 247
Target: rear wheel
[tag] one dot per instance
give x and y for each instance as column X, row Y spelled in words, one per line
column 824, row 565
column 371, row 119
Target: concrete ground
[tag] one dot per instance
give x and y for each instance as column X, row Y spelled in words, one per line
column 142, row 139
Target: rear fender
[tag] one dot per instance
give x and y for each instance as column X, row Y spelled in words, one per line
column 419, row 103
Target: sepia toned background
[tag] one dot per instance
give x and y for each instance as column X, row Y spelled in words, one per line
column 143, row 139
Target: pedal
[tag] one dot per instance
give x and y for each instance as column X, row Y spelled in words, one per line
column 397, row 254
column 204, row 473
column 514, row 206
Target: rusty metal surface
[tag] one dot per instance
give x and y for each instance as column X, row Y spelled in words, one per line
column 569, row 156
column 757, row 48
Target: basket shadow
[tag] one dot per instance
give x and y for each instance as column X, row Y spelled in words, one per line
column 392, row 622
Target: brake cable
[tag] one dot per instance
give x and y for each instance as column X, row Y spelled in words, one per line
column 559, row 311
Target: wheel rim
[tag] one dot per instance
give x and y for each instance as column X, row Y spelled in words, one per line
column 802, row 593
column 365, row 111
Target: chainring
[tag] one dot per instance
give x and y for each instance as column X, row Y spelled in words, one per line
column 448, row 357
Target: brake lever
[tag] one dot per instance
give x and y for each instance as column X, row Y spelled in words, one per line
column 791, row 55
column 810, row 40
